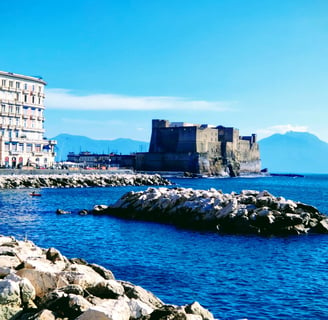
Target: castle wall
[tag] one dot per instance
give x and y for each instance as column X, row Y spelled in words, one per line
column 199, row 149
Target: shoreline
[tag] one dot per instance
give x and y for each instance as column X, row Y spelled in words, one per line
column 37, row 283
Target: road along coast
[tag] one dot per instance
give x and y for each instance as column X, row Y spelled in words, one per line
column 38, row 283
column 250, row 212
column 79, row 180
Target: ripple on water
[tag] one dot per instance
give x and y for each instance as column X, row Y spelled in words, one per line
column 234, row 276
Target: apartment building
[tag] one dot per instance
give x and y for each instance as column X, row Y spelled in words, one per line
column 22, row 141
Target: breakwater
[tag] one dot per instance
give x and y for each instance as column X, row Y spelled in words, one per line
column 38, row 283
column 250, row 212
column 79, row 180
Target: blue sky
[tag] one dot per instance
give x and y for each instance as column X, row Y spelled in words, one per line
column 112, row 66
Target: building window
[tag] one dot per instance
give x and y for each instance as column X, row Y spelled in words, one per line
column 14, row 147
column 24, row 123
column 29, row 147
column 38, row 147
column 4, row 82
column 40, row 89
column 21, row 147
column 33, row 99
column 3, row 108
column 17, row 110
column 11, row 108
column 25, row 86
column 25, row 97
column 17, row 85
column 7, row 146
column 11, row 84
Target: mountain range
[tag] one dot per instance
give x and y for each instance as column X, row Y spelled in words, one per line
column 292, row 152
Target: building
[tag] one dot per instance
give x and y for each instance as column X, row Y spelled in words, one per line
column 22, row 141
column 89, row 160
column 199, row 149
column 100, row 161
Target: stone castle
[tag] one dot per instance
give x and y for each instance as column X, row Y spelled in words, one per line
column 199, row 149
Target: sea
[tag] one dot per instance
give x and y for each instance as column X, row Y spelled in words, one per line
column 234, row 276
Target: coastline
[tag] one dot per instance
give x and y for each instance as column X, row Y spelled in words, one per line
column 39, row 283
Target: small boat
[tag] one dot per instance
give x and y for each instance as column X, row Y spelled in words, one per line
column 34, row 194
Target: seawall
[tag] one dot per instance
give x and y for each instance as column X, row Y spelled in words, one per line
column 74, row 180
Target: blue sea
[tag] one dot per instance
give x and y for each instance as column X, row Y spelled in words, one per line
column 234, row 276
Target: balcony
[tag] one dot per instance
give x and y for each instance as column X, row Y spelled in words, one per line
column 15, row 153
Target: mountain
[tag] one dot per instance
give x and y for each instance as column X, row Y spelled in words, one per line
column 70, row 143
column 294, row 152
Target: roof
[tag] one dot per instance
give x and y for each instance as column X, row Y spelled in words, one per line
column 21, row 76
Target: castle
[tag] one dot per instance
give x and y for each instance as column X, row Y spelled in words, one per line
column 199, row 149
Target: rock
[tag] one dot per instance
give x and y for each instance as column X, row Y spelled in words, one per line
column 27, row 291
column 139, row 293
column 44, row 315
column 167, row 312
column 54, row 255
column 10, row 301
column 106, row 274
column 108, row 310
column 248, row 212
column 107, row 289
column 139, row 309
column 196, row 309
column 82, row 275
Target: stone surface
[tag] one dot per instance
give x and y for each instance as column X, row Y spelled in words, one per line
column 248, row 212
column 79, row 180
column 44, row 285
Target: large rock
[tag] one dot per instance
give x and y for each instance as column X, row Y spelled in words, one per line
column 108, row 310
column 248, row 212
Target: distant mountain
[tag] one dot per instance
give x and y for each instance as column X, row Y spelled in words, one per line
column 294, row 152
column 70, row 143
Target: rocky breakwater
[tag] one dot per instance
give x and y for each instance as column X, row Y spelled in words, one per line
column 250, row 212
column 42, row 284
column 80, row 180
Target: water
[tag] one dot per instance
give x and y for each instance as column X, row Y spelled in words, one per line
column 233, row 276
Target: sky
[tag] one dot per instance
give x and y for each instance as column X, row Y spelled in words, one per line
column 111, row 66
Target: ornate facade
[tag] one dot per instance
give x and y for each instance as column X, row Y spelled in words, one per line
column 22, row 141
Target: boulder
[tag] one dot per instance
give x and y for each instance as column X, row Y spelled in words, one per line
column 108, row 310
